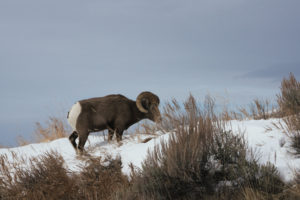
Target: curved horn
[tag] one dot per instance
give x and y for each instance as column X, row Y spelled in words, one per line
column 139, row 103
column 146, row 95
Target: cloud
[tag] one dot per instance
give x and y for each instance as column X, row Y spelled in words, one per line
column 275, row 72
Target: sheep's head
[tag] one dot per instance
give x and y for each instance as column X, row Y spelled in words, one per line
column 148, row 103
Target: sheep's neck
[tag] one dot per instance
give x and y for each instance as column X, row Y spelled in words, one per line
column 139, row 115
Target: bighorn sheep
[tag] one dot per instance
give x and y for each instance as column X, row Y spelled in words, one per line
column 113, row 112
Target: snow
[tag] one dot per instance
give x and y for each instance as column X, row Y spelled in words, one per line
column 272, row 146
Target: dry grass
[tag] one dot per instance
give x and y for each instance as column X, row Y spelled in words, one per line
column 289, row 98
column 228, row 115
column 100, row 181
column 54, row 128
column 146, row 128
column 286, row 125
column 46, row 178
column 258, row 109
column 250, row 194
column 289, row 109
column 293, row 191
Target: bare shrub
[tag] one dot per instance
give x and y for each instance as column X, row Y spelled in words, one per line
column 200, row 160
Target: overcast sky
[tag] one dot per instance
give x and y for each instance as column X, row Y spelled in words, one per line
column 53, row 53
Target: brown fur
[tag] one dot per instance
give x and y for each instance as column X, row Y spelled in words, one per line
column 113, row 112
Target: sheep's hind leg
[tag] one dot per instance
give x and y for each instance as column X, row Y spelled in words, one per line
column 82, row 140
column 72, row 139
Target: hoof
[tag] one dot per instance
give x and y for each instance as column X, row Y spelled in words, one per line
column 80, row 151
column 120, row 143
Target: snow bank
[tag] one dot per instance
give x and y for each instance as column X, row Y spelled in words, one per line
column 132, row 151
column 271, row 146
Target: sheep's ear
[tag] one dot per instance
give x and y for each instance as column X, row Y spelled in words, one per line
column 146, row 103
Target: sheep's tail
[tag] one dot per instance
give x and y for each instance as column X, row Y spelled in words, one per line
column 73, row 115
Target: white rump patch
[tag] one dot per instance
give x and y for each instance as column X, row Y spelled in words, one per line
column 73, row 115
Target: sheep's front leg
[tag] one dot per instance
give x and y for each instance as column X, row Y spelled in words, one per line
column 110, row 134
column 119, row 133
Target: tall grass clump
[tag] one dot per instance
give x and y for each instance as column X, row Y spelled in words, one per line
column 100, row 180
column 289, row 98
column 46, row 178
column 289, row 106
column 200, row 160
column 53, row 129
column 258, row 109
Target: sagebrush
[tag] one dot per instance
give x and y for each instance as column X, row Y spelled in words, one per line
column 46, row 178
column 201, row 159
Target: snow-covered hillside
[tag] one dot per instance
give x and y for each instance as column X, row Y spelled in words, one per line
column 272, row 146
